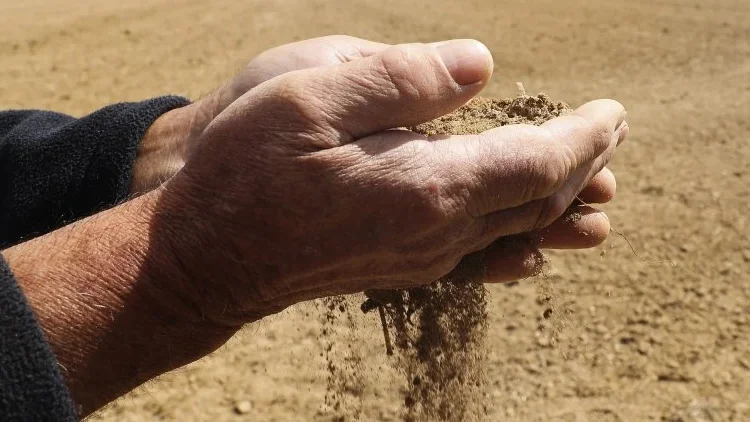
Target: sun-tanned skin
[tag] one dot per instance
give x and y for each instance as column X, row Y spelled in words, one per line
column 293, row 189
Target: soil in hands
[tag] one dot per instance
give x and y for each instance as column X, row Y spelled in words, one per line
column 436, row 332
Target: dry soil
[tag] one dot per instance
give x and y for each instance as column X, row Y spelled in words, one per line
column 635, row 338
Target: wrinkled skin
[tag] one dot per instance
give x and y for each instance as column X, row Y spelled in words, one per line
column 301, row 190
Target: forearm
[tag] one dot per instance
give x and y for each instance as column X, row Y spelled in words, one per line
column 111, row 301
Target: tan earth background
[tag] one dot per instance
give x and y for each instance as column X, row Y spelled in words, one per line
column 656, row 335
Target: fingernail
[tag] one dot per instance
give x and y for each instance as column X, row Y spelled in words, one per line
column 468, row 61
column 624, row 129
column 623, row 115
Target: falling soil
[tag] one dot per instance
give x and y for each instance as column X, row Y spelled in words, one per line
column 436, row 332
column 344, row 371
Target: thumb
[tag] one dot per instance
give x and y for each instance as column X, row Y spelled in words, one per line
column 403, row 85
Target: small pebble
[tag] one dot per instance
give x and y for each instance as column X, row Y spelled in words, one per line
column 243, row 407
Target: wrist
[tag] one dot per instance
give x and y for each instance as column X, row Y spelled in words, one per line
column 218, row 264
column 114, row 304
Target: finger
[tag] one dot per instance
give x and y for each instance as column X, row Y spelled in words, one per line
column 588, row 138
column 306, row 54
column 579, row 228
column 534, row 215
column 347, row 49
column 512, row 259
column 401, row 86
column 601, row 189
column 514, row 165
column 581, row 177
column 322, row 51
column 475, row 174
column 602, row 116
column 517, row 257
column 332, row 49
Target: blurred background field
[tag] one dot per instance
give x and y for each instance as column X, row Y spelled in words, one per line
column 636, row 338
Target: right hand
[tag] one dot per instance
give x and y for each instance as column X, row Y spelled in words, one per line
column 299, row 190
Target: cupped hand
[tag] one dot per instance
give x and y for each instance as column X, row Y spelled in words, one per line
column 510, row 264
column 299, row 189
column 153, row 170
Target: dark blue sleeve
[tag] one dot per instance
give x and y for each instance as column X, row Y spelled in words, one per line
column 55, row 168
column 31, row 387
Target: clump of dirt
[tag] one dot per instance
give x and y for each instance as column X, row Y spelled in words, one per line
column 437, row 331
column 482, row 114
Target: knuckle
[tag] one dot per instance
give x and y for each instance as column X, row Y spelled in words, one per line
column 290, row 92
column 326, row 165
column 426, row 200
column 426, row 191
column 292, row 98
column 465, row 185
column 293, row 108
column 344, row 47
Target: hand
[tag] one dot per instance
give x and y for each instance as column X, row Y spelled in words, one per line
column 582, row 226
column 296, row 191
column 302, row 192
column 172, row 137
